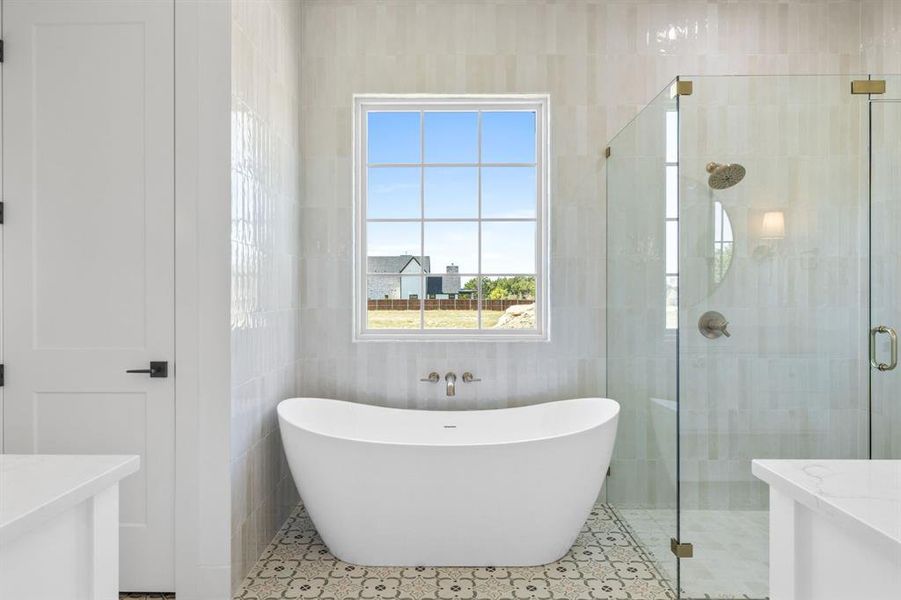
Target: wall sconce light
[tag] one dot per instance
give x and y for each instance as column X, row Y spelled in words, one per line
column 773, row 227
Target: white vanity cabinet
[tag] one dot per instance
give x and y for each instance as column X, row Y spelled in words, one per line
column 59, row 526
column 835, row 528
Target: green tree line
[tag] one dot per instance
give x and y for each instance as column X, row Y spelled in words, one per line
column 521, row 287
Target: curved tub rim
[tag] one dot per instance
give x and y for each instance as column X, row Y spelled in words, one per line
column 283, row 419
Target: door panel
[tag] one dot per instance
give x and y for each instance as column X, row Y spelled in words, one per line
column 886, row 272
column 103, row 120
column 88, row 250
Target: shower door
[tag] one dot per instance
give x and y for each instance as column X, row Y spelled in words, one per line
column 885, row 312
column 642, row 187
column 773, row 296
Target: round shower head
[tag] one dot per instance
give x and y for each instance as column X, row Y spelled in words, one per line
column 724, row 176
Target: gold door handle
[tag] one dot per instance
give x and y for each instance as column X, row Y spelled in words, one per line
column 893, row 339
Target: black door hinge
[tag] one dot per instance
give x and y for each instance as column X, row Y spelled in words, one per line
column 1, row 50
column 1, row 375
column 1, row 213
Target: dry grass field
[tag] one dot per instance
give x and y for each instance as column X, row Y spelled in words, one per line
column 434, row 319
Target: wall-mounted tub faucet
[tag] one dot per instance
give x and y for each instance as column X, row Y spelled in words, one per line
column 451, row 379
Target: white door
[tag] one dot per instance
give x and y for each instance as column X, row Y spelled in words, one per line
column 88, row 254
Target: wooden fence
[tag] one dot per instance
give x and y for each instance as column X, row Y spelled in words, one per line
column 445, row 304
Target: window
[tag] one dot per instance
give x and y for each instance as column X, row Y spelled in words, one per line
column 671, row 222
column 451, row 217
column 723, row 242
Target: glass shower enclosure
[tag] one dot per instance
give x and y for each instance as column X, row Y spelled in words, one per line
column 753, row 262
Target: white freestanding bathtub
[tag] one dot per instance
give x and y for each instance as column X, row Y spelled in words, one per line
column 397, row 487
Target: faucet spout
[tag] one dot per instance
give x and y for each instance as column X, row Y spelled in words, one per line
column 451, row 379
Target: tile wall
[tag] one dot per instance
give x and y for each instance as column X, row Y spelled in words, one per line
column 880, row 29
column 792, row 380
column 600, row 61
column 265, row 318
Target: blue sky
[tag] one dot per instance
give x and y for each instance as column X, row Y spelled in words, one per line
column 451, row 189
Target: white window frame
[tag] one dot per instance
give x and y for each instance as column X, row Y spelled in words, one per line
column 540, row 104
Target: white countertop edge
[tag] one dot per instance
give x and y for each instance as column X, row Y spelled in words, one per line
column 761, row 469
column 45, row 511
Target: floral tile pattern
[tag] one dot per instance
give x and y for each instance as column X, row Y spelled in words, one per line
column 605, row 563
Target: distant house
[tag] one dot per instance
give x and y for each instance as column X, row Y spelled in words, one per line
column 443, row 286
column 398, row 283
column 398, row 286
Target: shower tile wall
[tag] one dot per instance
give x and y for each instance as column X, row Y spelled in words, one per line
column 641, row 349
column 792, row 380
column 886, row 265
column 600, row 61
column 265, row 315
column 881, row 36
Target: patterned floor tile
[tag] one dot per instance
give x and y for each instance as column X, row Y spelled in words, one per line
column 605, row 563
column 731, row 549
column 146, row 596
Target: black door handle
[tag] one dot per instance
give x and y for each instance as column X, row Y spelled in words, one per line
column 158, row 368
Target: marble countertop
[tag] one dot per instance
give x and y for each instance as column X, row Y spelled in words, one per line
column 865, row 494
column 37, row 487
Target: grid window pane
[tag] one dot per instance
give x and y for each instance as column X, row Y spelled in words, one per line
column 393, row 192
column 393, row 137
column 451, row 192
column 508, row 247
column 452, row 247
column 672, row 192
column 453, row 310
column 451, row 137
column 508, row 137
column 393, row 302
column 393, row 247
column 509, row 192
column 672, row 302
column 672, row 247
column 520, row 315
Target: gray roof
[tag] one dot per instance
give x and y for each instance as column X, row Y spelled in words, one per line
column 395, row 264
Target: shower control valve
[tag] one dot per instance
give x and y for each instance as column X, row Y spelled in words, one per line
column 432, row 378
column 713, row 325
column 468, row 378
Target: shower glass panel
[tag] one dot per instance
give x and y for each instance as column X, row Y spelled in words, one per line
column 782, row 371
column 885, row 311
column 642, row 271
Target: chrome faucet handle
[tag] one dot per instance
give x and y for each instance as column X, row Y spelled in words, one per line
column 468, row 378
column 432, row 378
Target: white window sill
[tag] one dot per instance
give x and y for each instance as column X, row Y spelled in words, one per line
column 477, row 336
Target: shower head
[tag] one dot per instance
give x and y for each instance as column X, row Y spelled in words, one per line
column 724, row 176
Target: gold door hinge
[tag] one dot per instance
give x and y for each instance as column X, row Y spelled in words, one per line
column 681, row 88
column 607, row 152
column 681, row 550
column 868, row 86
